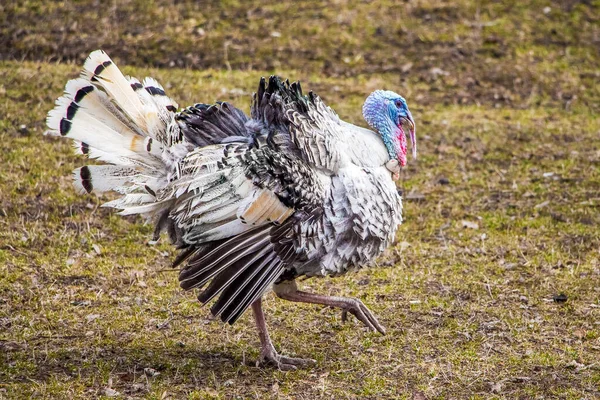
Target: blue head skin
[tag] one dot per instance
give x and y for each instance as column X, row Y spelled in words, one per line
column 387, row 113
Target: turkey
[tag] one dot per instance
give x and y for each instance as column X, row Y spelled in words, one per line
column 251, row 202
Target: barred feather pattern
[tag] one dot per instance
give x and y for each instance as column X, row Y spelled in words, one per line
column 313, row 127
column 292, row 190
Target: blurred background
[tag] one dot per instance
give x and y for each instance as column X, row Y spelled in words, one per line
column 453, row 52
column 491, row 290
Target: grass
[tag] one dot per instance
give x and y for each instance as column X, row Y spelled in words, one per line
column 502, row 206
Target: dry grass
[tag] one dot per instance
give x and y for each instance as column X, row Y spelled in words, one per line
column 502, row 208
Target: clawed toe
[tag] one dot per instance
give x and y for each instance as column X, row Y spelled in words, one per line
column 284, row 363
column 363, row 314
column 347, row 304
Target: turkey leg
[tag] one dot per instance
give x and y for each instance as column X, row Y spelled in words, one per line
column 289, row 291
column 268, row 354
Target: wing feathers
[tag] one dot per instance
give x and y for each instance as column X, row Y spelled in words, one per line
column 314, row 128
column 264, row 206
column 252, row 291
column 241, row 269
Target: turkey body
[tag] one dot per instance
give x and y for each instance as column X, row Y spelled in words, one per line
column 315, row 210
column 253, row 202
column 361, row 210
column 337, row 220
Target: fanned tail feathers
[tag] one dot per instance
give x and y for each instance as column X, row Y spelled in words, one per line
column 188, row 170
column 120, row 121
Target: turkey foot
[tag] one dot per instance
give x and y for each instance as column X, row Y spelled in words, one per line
column 362, row 313
column 268, row 354
column 289, row 291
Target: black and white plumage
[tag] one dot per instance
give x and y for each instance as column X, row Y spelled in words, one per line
column 252, row 202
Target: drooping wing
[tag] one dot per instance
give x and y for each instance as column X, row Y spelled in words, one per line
column 314, row 128
column 237, row 204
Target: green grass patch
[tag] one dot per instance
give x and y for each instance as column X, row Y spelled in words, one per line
column 501, row 209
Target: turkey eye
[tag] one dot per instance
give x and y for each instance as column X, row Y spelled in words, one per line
column 399, row 103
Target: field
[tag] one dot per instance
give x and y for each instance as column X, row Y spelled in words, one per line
column 492, row 289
